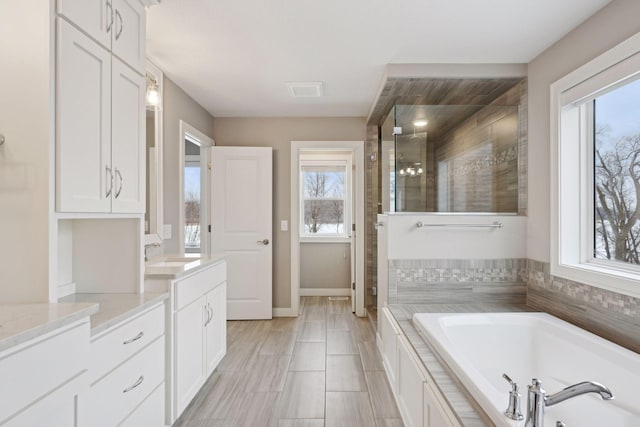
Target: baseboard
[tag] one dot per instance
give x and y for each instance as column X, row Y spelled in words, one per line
column 325, row 292
column 284, row 312
column 66, row 289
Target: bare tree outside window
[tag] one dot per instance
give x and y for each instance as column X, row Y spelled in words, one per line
column 324, row 200
column 617, row 177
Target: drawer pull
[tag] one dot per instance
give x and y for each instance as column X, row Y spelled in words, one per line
column 134, row 339
column 128, row 389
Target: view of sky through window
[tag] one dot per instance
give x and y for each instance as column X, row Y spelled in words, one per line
column 617, row 174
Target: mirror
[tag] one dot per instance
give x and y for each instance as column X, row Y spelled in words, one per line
column 154, row 125
column 194, row 190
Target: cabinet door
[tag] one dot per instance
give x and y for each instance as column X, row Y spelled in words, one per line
column 127, row 139
column 129, row 32
column 217, row 328
column 95, row 17
column 189, row 352
column 434, row 414
column 83, row 131
column 409, row 387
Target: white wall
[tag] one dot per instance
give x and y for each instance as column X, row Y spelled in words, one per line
column 406, row 241
column 610, row 26
column 26, row 158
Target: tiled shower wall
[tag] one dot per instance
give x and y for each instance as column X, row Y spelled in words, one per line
column 611, row 315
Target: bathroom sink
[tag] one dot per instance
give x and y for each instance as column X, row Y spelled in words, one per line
column 181, row 259
column 172, row 261
column 168, row 264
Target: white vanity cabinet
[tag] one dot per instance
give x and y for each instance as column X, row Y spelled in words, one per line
column 118, row 25
column 127, row 373
column 199, row 331
column 42, row 378
column 100, row 124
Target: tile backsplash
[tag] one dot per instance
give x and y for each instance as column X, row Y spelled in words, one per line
column 611, row 315
column 457, row 281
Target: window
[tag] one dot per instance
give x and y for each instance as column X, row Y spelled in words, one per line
column 595, row 115
column 192, row 197
column 616, row 174
column 325, row 200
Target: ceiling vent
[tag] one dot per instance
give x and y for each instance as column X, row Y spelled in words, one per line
column 305, row 89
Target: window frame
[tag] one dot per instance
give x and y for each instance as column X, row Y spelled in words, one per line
column 330, row 160
column 572, row 170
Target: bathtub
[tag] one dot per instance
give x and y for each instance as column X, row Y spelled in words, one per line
column 479, row 348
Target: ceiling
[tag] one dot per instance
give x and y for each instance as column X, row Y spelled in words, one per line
column 235, row 57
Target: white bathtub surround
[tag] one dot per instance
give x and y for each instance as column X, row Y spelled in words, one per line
column 479, row 348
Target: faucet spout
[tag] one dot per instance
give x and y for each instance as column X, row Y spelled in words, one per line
column 578, row 389
column 537, row 399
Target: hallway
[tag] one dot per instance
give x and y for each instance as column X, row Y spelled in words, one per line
column 320, row 369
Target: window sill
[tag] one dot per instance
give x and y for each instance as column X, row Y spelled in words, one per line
column 328, row 239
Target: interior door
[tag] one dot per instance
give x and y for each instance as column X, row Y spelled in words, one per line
column 241, row 226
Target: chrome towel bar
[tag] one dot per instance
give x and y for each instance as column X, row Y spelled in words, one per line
column 494, row 224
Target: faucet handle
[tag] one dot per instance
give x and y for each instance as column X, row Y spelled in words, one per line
column 513, row 410
column 514, row 385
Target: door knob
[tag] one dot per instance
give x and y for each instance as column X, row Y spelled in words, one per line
column 263, row 242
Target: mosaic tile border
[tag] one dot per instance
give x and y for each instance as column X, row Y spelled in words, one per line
column 457, row 281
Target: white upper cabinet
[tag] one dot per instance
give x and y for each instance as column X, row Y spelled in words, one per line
column 83, row 113
column 129, row 30
column 128, row 129
column 100, row 109
column 95, row 17
column 118, row 25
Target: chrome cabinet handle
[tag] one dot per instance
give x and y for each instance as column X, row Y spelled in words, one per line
column 119, row 32
column 136, row 384
column 109, row 16
column 206, row 322
column 109, row 180
column 119, row 176
column 134, row 339
column 263, row 242
column 209, row 314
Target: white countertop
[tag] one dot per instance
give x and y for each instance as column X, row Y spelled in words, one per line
column 114, row 308
column 22, row 322
column 175, row 272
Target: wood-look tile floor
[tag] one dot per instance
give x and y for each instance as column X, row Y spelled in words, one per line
column 321, row 369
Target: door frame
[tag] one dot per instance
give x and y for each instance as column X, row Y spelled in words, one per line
column 196, row 136
column 357, row 149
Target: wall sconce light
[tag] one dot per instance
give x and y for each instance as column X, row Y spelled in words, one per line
column 153, row 94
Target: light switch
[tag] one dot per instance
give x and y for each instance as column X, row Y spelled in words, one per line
column 284, row 225
column 166, row 231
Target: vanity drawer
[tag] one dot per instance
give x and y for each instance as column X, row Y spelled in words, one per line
column 113, row 347
column 115, row 396
column 39, row 366
column 150, row 413
column 193, row 287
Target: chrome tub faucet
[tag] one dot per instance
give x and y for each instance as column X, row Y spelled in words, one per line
column 537, row 398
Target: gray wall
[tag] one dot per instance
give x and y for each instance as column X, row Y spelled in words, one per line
column 610, row 26
column 325, row 265
column 609, row 314
column 278, row 133
column 177, row 106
